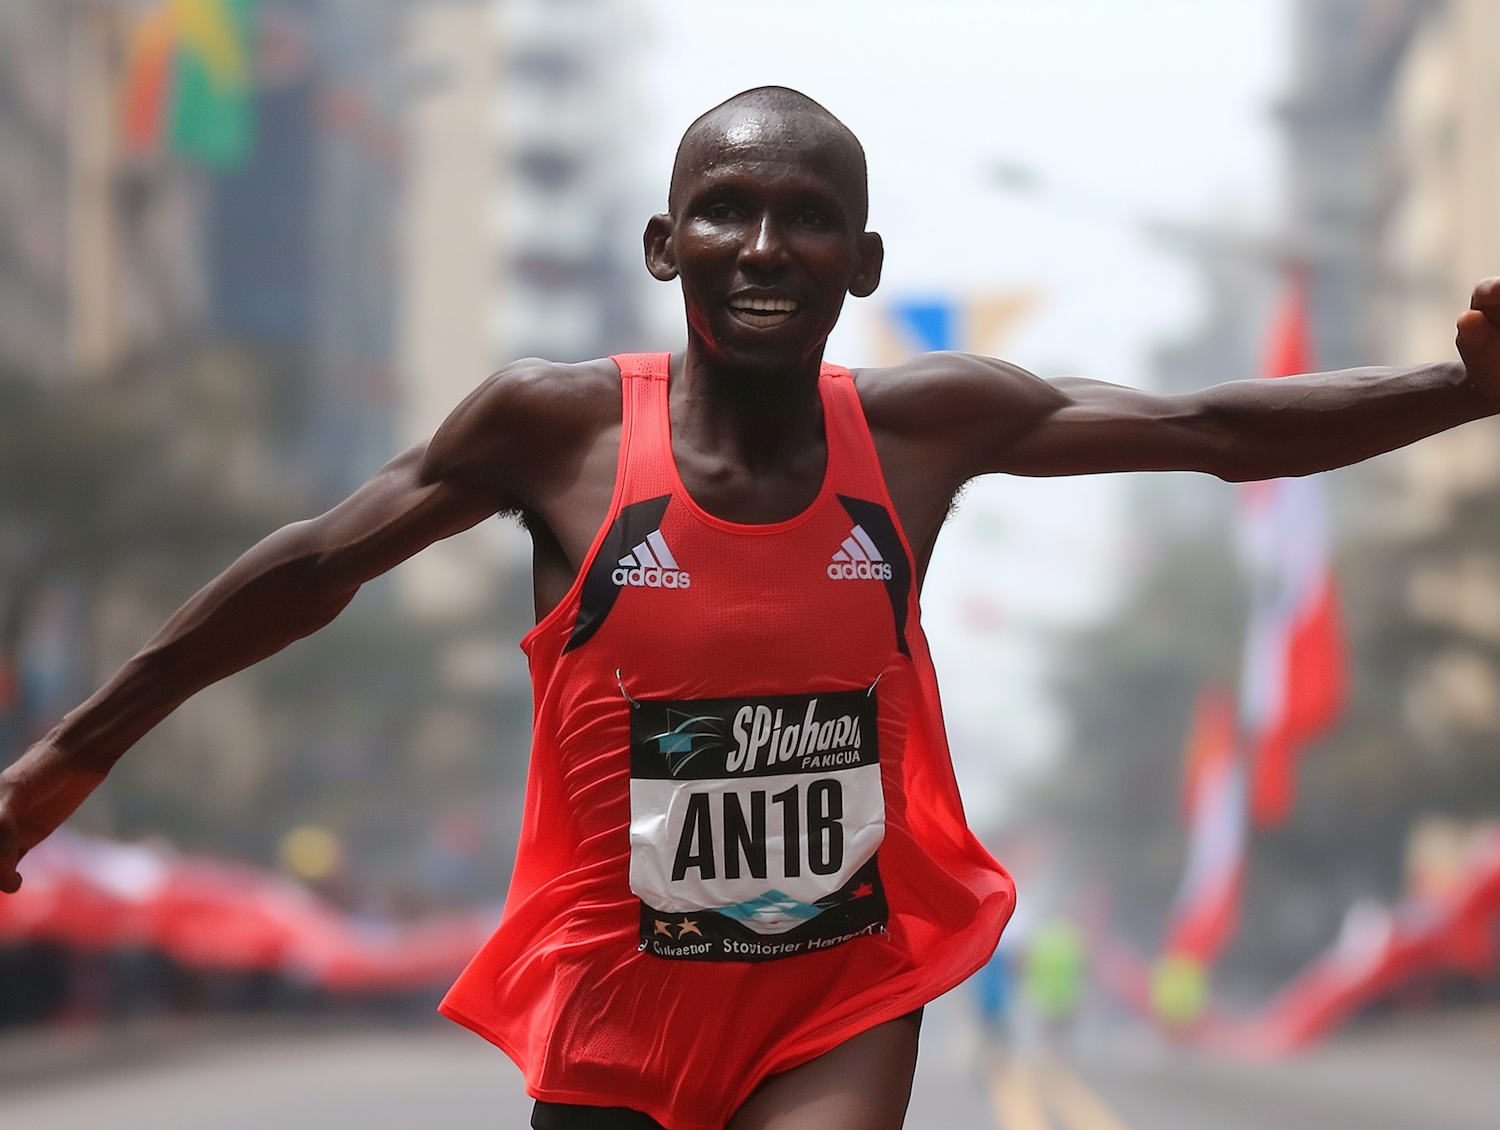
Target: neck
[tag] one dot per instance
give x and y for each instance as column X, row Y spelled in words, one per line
column 758, row 415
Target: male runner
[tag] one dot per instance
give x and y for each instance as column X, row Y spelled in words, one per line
column 739, row 435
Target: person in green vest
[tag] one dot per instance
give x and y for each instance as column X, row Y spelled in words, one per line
column 1053, row 976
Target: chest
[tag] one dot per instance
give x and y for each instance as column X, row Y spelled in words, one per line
column 688, row 608
column 750, row 492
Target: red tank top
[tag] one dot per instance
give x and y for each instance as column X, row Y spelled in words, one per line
column 743, row 843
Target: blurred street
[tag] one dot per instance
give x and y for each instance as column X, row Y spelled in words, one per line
column 1436, row 1072
column 429, row 1077
column 1438, row 1075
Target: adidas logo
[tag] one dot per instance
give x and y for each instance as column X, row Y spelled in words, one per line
column 651, row 565
column 858, row 559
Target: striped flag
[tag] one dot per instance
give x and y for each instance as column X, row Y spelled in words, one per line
column 1292, row 680
column 1205, row 912
column 188, row 81
column 148, row 79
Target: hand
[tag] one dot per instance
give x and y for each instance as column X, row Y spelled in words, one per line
column 1479, row 338
column 10, row 846
column 37, row 793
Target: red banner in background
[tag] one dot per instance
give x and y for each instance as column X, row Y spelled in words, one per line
column 1292, row 683
column 92, row 895
column 1381, row 949
column 1206, row 910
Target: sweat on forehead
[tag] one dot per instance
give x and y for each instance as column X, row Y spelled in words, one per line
column 781, row 119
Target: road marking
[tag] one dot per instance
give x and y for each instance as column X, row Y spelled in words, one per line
column 1022, row 1093
column 1079, row 1107
column 1013, row 1090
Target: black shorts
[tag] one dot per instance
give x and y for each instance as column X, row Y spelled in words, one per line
column 566, row 1116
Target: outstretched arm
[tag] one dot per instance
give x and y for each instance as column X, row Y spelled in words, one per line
column 286, row 587
column 981, row 415
column 1271, row 428
column 1260, row 429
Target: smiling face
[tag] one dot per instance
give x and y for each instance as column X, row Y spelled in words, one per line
column 766, row 232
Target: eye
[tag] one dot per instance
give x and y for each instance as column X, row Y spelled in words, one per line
column 811, row 218
column 722, row 210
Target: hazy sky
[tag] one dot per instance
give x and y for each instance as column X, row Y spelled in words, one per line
column 1127, row 107
column 1124, row 109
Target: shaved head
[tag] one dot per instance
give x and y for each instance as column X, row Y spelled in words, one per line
column 780, row 121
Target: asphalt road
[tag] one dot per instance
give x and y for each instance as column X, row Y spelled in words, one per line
column 1430, row 1073
column 1435, row 1072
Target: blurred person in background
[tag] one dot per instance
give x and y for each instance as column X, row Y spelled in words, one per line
column 994, row 991
column 744, row 866
column 1055, row 967
column 996, row 987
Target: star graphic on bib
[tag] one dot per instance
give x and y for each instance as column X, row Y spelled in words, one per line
column 864, row 890
column 663, row 928
column 688, row 926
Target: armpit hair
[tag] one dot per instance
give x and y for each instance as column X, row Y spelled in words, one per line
column 957, row 499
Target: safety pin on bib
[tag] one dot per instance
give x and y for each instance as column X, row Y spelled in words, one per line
column 633, row 702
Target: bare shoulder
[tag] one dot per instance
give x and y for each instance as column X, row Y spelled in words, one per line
column 526, row 421
column 949, row 394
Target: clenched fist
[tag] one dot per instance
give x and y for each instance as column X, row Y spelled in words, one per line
column 1479, row 338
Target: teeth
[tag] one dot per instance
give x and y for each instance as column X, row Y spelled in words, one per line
column 765, row 305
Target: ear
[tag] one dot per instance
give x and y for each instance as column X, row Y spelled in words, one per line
column 867, row 271
column 661, row 257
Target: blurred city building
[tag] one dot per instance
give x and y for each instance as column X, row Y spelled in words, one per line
column 196, row 348
column 133, row 449
column 98, row 253
column 1442, row 234
column 1338, row 185
column 1440, row 559
column 1335, row 120
column 521, row 221
column 1391, row 210
column 451, row 264
column 567, row 203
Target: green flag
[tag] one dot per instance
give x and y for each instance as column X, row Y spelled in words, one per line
column 213, row 106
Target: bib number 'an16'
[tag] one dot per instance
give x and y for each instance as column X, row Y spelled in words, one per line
column 754, row 824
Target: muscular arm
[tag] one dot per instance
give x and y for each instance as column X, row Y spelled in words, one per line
column 491, row 455
column 287, row 586
column 944, row 418
column 1242, row 430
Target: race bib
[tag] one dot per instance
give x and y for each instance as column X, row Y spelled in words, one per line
column 754, row 824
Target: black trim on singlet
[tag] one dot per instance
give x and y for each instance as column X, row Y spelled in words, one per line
column 628, row 529
column 876, row 522
column 567, row 1116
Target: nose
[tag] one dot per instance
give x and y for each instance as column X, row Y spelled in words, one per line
column 763, row 249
